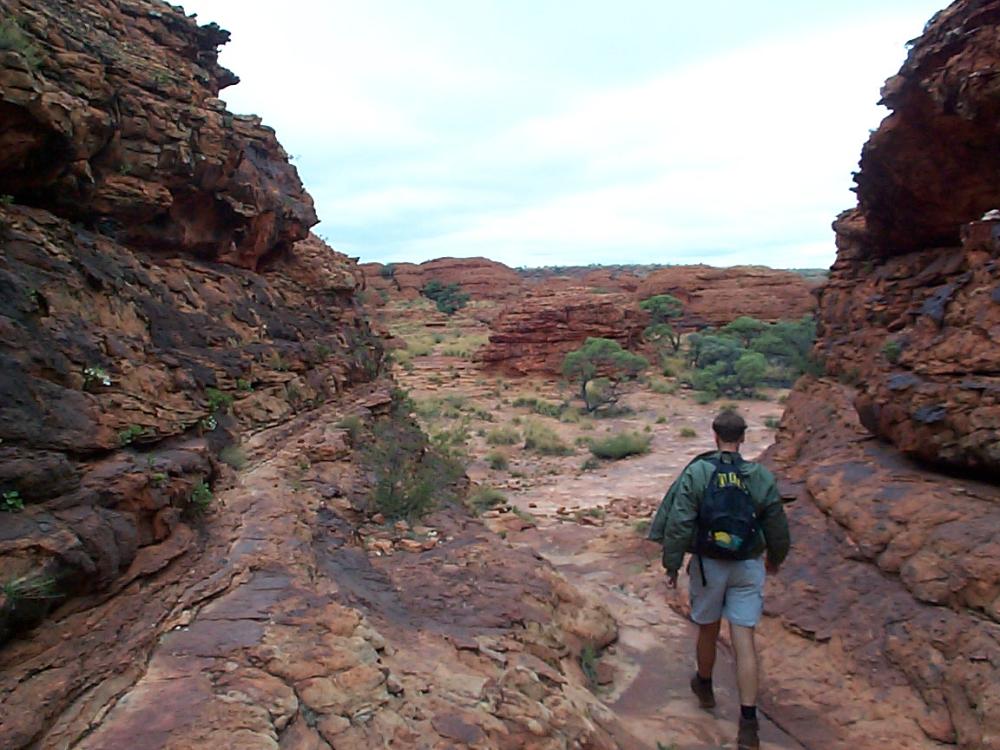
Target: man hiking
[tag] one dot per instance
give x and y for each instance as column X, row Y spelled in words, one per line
column 727, row 513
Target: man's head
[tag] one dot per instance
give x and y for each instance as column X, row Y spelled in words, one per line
column 729, row 428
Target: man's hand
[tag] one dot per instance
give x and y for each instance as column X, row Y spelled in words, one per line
column 672, row 579
column 771, row 567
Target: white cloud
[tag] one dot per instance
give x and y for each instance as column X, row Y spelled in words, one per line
column 416, row 143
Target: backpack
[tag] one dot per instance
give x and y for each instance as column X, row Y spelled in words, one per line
column 727, row 515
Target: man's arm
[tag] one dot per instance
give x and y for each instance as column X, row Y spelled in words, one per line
column 774, row 524
column 681, row 523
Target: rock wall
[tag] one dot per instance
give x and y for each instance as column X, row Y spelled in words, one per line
column 716, row 296
column 188, row 391
column 535, row 334
column 480, row 278
column 895, row 574
column 111, row 118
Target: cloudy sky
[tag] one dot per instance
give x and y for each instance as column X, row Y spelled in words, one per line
column 551, row 132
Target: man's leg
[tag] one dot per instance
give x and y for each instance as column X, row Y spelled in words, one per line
column 708, row 636
column 746, row 663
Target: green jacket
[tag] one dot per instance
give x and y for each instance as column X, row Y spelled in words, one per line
column 676, row 520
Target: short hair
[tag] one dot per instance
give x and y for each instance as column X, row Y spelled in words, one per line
column 729, row 426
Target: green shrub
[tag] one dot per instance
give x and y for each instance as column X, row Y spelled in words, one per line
column 497, row 461
column 11, row 502
column 201, row 497
column 588, row 664
column 704, row 397
column 661, row 420
column 688, row 432
column 352, row 424
column 662, row 387
column 543, row 439
column 621, row 445
column 14, row 38
column 590, row 464
column 218, row 401
column 449, row 298
column 891, row 350
column 130, row 434
column 540, row 407
column 503, row 436
column 408, row 476
column 234, row 456
column 485, row 497
column 772, row 423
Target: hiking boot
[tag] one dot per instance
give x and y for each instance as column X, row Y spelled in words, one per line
column 747, row 738
column 705, row 694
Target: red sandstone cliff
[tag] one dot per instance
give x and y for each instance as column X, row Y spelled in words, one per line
column 895, row 576
column 480, row 278
column 532, row 335
column 164, row 316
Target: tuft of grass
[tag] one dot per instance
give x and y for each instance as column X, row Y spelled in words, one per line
column 234, row 456
column 30, row 587
column 352, row 424
column 588, row 663
column 497, row 461
column 891, row 350
column 543, row 439
column 772, row 423
column 540, row 406
column 590, row 464
column 688, row 432
column 661, row 420
column 662, row 387
column 485, row 497
column 704, row 397
column 505, row 435
column 621, row 445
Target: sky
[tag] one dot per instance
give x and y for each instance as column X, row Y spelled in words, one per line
column 550, row 132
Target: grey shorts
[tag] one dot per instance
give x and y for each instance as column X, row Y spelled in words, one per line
column 735, row 591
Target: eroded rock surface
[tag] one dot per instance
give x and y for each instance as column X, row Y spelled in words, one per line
column 896, row 574
column 535, row 334
column 716, row 296
column 480, row 278
column 111, row 117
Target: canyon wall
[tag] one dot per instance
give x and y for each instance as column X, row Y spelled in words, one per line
column 895, row 575
column 192, row 405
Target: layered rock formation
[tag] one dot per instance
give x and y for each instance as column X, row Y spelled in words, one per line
column 716, row 296
column 896, row 575
column 480, row 278
column 164, row 319
column 534, row 335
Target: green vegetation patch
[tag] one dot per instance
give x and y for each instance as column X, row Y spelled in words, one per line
column 621, row 445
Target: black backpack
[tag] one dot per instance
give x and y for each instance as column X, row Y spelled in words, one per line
column 727, row 515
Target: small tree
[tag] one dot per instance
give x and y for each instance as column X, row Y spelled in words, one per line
column 744, row 328
column 598, row 367
column 447, row 297
column 662, row 308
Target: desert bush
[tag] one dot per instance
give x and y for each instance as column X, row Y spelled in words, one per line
column 408, row 476
column 449, row 298
column 891, row 350
column 497, row 461
column 543, row 439
column 621, row 445
column 505, row 435
column 688, row 432
column 233, row 456
column 540, row 406
column 485, row 497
